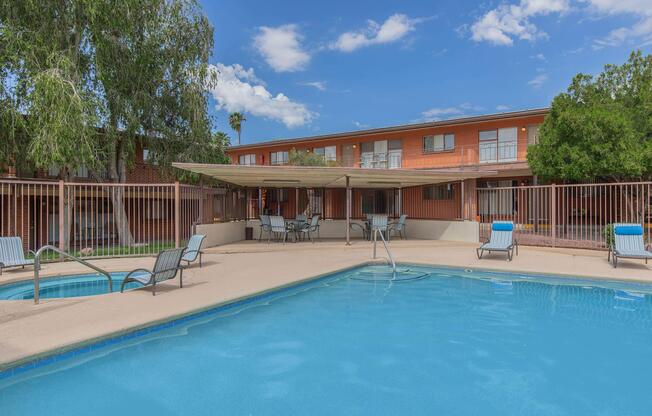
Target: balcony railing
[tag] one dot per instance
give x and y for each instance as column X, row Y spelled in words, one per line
column 389, row 160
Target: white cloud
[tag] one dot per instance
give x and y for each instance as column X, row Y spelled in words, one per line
column 640, row 31
column 540, row 57
column 394, row 28
column 320, row 85
column 238, row 89
column 359, row 125
column 500, row 26
column 281, row 48
column 502, row 107
column 538, row 81
column 439, row 113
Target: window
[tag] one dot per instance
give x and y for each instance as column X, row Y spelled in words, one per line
column 249, row 159
column 439, row 143
column 394, row 153
column 438, row 192
column 279, row 158
column 367, row 155
column 532, row 134
column 278, row 195
column 498, row 145
column 329, row 152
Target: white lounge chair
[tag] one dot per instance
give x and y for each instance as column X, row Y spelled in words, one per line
column 501, row 239
column 628, row 243
column 278, row 228
column 265, row 226
column 311, row 228
column 193, row 251
column 168, row 263
column 12, row 253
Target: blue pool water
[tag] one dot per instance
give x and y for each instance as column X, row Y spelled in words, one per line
column 64, row 287
column 452, row 343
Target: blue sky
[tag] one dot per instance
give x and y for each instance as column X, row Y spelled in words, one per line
column 298, row 68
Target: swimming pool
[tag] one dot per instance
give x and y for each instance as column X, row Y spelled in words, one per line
column 65, row 286
column 452, row 343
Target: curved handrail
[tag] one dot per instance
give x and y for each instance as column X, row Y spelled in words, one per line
column 389, row 253
column 37, row 267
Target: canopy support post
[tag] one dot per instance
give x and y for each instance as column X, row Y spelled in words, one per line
column 260, row 201
column 348, row 212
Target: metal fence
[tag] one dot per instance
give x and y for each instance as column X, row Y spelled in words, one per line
column 102, row 219
column 566, row 215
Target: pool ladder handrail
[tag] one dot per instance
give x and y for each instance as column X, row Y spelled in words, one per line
column 37, row 268
column 377, row 231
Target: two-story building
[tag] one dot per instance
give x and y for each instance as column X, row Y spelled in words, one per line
column 492, row 143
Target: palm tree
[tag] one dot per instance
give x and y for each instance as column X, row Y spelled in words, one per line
column 235, row 121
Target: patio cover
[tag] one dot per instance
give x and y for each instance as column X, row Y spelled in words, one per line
column 328, row 177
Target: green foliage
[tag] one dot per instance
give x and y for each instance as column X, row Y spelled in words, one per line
column 608, row 235
column 600, row 129
column 235, row 121
column 91, row 78
column 306, row 158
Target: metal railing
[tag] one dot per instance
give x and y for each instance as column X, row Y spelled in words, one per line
column 573, row 215
column 390, row 258
column 37, row 268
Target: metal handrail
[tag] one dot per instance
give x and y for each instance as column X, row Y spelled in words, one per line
column 389, row 253
column 37, row 268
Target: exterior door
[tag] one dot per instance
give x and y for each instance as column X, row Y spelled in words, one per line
column 348, row 158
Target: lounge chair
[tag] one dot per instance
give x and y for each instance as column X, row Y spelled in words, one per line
column 168, row 263
column 278, row 228
column 628, row 243
column 311, row 228
column 12, row 254
column 380, row 223
column 194, row 249
column 502, row 239
column 399, row 226
column 265, row 226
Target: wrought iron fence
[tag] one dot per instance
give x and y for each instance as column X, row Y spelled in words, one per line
column 106, row 219
column 566, row 215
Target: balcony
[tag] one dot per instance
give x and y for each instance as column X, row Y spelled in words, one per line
column 389, row 160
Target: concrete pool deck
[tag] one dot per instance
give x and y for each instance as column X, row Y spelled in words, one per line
column 241, row 269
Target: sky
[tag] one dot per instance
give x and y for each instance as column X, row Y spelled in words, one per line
column 302, row 68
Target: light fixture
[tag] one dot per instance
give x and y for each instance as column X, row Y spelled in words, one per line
column 354, row 146
column 523, row 128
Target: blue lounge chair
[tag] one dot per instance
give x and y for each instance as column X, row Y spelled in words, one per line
column 628, row 243
column 310, row 228
column 278, row 228
column 502, row 239
column 12, row 254
column 194, row 249
column 168, row 263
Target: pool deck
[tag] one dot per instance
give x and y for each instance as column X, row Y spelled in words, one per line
column 242, row 269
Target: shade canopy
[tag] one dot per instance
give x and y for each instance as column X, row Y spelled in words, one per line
column 328, row 177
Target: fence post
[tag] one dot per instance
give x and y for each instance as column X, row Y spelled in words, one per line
column 177, row 214
column 62, row 223
column 553, row 213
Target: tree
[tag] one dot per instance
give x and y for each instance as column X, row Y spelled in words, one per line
column 91, row 78
column 235, row 121
column 601, row 128
column 305, row 158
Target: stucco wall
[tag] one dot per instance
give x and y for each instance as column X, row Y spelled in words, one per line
column 222, row 233
column 467, row 231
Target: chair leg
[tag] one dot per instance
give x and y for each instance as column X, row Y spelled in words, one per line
column 181, row 278
column 200, row 259
column 615, row 262
column 154, row 288
column 479, row 252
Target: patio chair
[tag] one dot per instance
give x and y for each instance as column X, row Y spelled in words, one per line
column 194, row 249
column 12, row 254
column 265, row 226
column 399, row 226
column 380, row 223
column 278, row 228
column 168, row 263
column 311, row 228
column 628, row 243
column 501, row 239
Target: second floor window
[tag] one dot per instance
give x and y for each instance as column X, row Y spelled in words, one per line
column 249, row 159
column 279, row 158
column 498, row 145
column 438, row 143
column 329, row 152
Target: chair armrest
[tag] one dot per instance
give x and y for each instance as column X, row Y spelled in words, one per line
column 137, row 270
